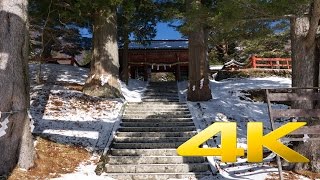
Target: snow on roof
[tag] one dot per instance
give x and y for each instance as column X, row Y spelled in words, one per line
column 233, row 62
column 160, row 44
column 216, row 67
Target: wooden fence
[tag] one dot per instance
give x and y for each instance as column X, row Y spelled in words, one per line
column 270, row 63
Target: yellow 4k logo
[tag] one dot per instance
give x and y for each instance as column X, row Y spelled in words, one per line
column 256, row 141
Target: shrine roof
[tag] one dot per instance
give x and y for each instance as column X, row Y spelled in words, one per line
column 160, row 44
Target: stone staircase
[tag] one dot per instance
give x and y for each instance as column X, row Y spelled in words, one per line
column 145, row 144
column 161, row 92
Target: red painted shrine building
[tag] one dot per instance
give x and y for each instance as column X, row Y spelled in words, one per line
column 158, row 56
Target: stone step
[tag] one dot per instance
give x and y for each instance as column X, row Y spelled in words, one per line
column 158, row 168
column 153, row 109
column 155, row 124
column 154, row 105
column 157, row 134
column 150, row 139
column 163, row 111
column 146, row 116
column 158, row 108
column 157, row 104
column 184, row 113
column 160, row 100
column 159, row 91
column 143, row 152
column 162, row 94
column 162, row 120
column 146, row 145
column 118, row 160
column 158, row 176
column 157, row 129
column 163, row 86
column 157, row 96
column 155, row 99
column 163, row 82
column 167, row 83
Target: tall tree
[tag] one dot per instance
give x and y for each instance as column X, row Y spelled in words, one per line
column 305, row 73
column 103, row 79
column 16, row 145
column 193, row 16
column 199, row 88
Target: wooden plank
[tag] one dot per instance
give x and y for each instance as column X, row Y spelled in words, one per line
column 306, row 96
column 271, row 90
column 273, row 59
column 272, row 65
column 276, row 113
column 299, row 139
column 308, row 130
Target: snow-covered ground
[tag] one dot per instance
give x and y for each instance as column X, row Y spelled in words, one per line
column 229, row 104
column 62, row 113
column 66, row 115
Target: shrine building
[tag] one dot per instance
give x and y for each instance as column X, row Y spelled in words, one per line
column 158, row 56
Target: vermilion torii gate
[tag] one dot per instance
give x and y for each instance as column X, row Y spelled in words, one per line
column 158, row 56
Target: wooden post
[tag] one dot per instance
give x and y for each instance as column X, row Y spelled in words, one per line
column 178, row 69
column 254, row 62
column 133, row 70
column 72, row 61
column 288, row 65
column 178, row 72
column 278, row 63
column 146, row 75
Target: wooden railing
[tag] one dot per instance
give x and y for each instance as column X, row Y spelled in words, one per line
column 270, row 63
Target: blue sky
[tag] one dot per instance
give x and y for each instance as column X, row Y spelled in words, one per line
column 166, row 32
column 163, row 32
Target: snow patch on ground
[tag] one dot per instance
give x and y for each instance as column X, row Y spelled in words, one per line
column 69, row 116
column 65, row 115
column 134, row 90
column 228, row 106
column 64, row 73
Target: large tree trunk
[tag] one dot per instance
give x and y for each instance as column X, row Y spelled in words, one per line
column 199, row 89
column 125, row 60
column 304, row 63
column 305, row 73
column 16, row 144
column 103, row 79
